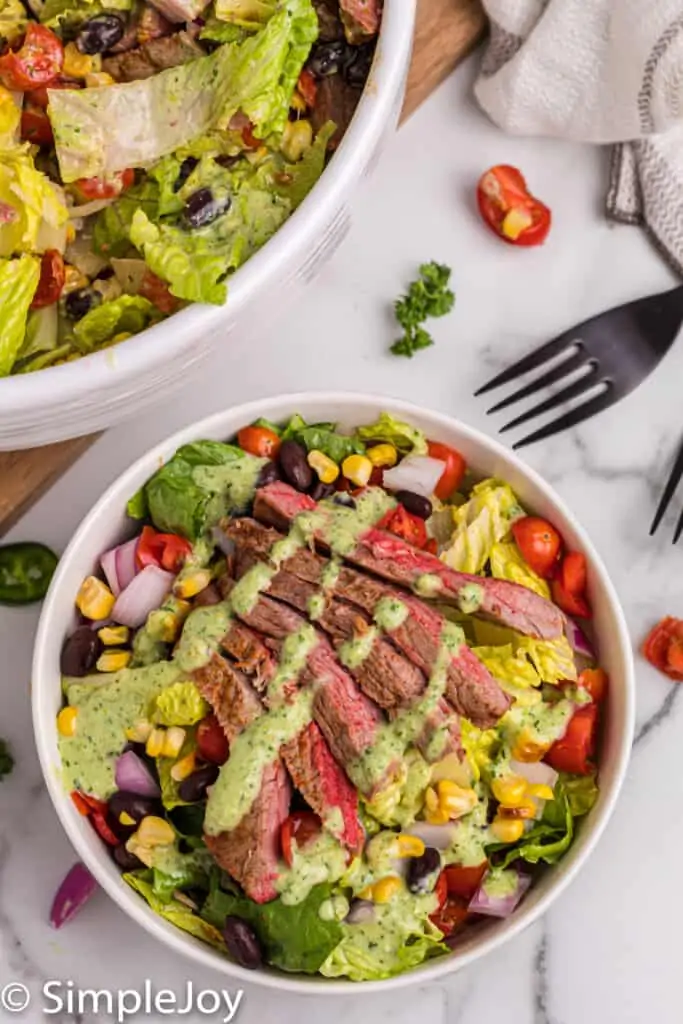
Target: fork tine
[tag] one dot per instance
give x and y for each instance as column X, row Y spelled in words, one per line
column 530, row 362
column 575, row 390
column 671, row 485
column 679, row 529
column 571, row 418
column 566, row 367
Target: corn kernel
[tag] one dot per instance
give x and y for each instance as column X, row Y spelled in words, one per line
column 77, row 64
column 296, row 139
column 98, row 78
column 111, row 636
column 366, row 893
column 113, row 661
column 454, row 799
column 507, row 830
column 526, row 749
column 540, row 791
column 510, row 790
column 166, row 626
column 385, row 890
column 155, row 742
column 357, row 469
column 139, row 733
column 297, row 102
column 515, row 222
column 126, row 819
column 193, row 583
column 73, row 279
column 121, row 336
column 525, row 810
column 70, row 233
column 327, row 470
column 183, row 768
column 66, row 722
column 409, row 846
column 384, row 455
column 434, row 813
column 173, row 741
column 95, row 600
column 154, row 831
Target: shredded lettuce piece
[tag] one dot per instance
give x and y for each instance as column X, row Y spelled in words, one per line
column 126, row 315
column 479, row 745
column 553, row 659
column 10, row 114
column 515, row 673
column 404, row 437
column 180, row 704
column 298, row 179
column 401, row 799
column 35, row 217
column 18, row 282
column 507, row 564
column 173, row 911
column 111, row 235
column 13, row 21
column 249, row 14
column 481, row 523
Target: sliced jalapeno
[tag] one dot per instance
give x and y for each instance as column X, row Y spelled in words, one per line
column 26, row 569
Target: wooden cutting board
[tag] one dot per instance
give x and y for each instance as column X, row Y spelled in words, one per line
column 446, row 31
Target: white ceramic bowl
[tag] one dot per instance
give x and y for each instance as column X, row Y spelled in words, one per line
column 105, row 388
column 106, row 525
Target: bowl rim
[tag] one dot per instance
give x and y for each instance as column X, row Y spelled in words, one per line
column 129, row 902
column 140, row 354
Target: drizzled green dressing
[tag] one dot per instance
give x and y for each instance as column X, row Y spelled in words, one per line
column 203, row 631
column 390, row 613
column 295, row 650
column 352, row 653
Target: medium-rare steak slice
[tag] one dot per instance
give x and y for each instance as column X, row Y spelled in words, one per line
column 250, row 654
column 250, row 852
column 393, row 559
column 233, row 699
column 470, row 688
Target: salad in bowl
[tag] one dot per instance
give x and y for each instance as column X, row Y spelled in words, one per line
column 148, row 149
column 329, row 708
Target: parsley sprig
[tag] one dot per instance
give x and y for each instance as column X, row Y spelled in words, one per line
column 428, row 296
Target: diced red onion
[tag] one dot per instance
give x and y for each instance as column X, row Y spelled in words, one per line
column 536, row 772
column 133, row 776
column 417, row 473
column 126, row 566
column 74, row 892
column 578, row 639
column 108, row 563
column 438, row 836
column 361, row 912
column 144, row 593
column 498, row 906
column 238, row 121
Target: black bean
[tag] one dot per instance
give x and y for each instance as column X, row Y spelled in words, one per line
column 356, row 68
column 414, row 503
column 100, row 33
column 227, row 161
column 80, row 302
column 344, row 499
column 105, row 274
column 186, row 169
column 321, row 491
column 203, row 208
column 126, row 860
column 132, row 804
column 80, row 652
column 327, row 58
column 268, row 475
column 242, row 943
column 292, row 460
column 194, row 787
column 422, row 868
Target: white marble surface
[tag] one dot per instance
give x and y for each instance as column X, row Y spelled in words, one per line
column 610, row 949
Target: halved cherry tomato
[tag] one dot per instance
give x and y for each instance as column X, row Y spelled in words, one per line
column 451, row 916
column 158, row 293
column 509, row 209
column 86, row 804
column 259, row 441
column 308, row 87
column 663, row 647
column 167, row 550
column 595, row 680
column 101, row 826
column 432, row 546
column 464, row 882
column 452, row 475
column 573, row 572
column 39, row 96
column 573, row 752
column 51, row 281
column 212, row 743
column 35, row 126
column 539, row 543
column 36, row 63
column 302, row 826
column 403, row 524
column 104, row 188
column 572, row 604
column 376, row 477
column 441, row 890
column 248, row 137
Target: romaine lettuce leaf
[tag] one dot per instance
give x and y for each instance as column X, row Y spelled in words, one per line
column 581, row 791
column 515, row 673
column 66, row 16
column 18, row 282
column 13, row 21
column 222, row 31
column 175, row 870
column 128, row 314
column 323, row 437
column 298, row 179
column 480, row 523
column 37, row 215
column 249, row 14
column 553, row 659
column 507, row 564
column 10, row 118
column 111, row 236
column 173, row 911
column 404, row 437
column 547, row 841
column 180, row 704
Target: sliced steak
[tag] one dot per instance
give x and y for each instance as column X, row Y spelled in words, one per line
column 153, row 56
column 250, row 653
column 470, row 688
column 235, row 702
column 393, row 559
column 335, row 100
column 329, row 22
column 361, row 18
column 250, row 852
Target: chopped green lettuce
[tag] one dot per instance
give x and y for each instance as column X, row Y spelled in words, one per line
column 42, row 329
column 400, row 802
column 322, row 437
column 111, row 236
column 10, row 117
column 581, row 791
column 553, row 659
column 293, row 937
column 38, row 214
column 175, row 870
column 180, row 704
column 480, row 523
column 249, row 14
column 515, row 673
column 174, row 911
column 13, row 21
column 507, row 564
column 404, row 437
column 18, row 282
column 128, row 314
column 480, row 746
column 66, row 16
column 222, row 31
column 297, row 180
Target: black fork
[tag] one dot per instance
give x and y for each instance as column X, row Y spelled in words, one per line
column 601, row 361
column 669, row 491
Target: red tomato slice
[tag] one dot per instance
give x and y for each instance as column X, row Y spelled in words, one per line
column 663, row 647
column 302, row 826
column 166, row 550
column 441, row 890
column 259, row 441
column 308, row 87
column 99, row 823
column 573, row 572
column 35, row 126
column 572, row 604
column 248, row 137
column 51, row 281
column 401, row 523
column 148, row 551
column 86, row 804
column 595, row 680
column 104, row 188
column 452, row 475
column 431, row 546
column 36, row 63
column 158, row 293
column 464, row 882
column 573, row 752
column 212, row 744
column 539, row 543
column 502, row 190
column 451, row 916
